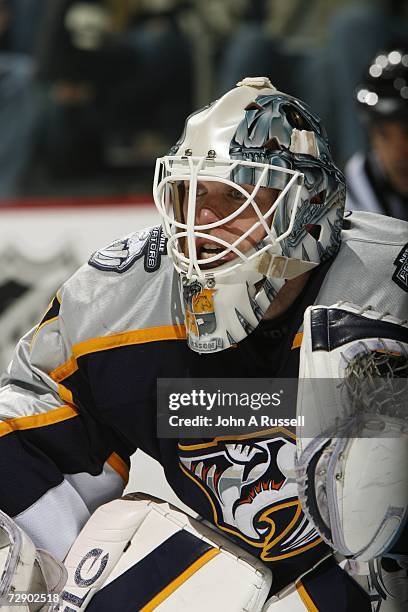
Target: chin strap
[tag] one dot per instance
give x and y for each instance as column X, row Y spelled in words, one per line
column 279, row 266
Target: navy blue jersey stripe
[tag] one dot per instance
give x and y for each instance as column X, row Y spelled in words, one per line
column 26, row 474
column 344, row 326
column 141, row 583
column 52, row 312
column 92, row 410
column 32, row 461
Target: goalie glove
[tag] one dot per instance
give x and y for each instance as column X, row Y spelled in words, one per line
column 352, row 454
column 31, row 579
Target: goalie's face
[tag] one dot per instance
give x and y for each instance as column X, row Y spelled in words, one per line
column 220, row 214
column 215, row 201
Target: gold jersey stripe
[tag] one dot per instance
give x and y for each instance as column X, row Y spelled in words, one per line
column 297, row 341
column 65, row 394
column 47, row 322
column 63, row 413
column 116, row 462
column 305, row 597
column 94, row 345
column 63, row 371
column 257, row 434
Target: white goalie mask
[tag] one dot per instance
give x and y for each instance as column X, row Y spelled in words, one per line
column 249, row 197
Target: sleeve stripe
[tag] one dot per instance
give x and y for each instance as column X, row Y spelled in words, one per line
column 51, row 314
column 138, row 336
column 63, row 413
column 119, row 466
column 64, row 370
column 305, row 597
column 65, row 394
column 297, row 341
column 47, row 322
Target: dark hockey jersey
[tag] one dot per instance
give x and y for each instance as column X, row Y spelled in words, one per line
column 79, row 397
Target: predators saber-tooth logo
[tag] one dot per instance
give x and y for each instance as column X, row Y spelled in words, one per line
column 121, row 254
column 252, row 490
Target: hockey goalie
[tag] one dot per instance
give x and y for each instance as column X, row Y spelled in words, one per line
column 254, row 272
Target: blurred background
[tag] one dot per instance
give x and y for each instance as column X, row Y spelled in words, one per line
column 92, row 91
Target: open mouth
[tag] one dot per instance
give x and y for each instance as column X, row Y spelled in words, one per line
column 207, row 250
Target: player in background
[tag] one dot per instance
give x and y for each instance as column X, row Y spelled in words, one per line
column 377, row 180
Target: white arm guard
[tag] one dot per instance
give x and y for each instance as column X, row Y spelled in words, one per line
column 353, row 451
column 31, row 579
column 140, row 553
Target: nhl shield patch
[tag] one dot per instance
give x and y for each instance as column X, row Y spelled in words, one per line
column 26, row 286
column 122, row 254
column 400, row 275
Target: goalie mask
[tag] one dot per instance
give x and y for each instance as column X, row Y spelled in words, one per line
column 249, row 197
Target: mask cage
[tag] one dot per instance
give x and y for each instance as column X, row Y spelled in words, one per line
column 173, row 174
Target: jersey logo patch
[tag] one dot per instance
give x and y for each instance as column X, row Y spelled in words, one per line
column 122, row 254
column 400, row 275
column 250, row 486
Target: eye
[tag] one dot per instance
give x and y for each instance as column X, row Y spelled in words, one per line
column 237, row 195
